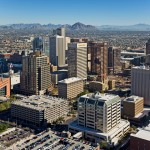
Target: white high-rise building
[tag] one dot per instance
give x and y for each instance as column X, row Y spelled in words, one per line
column 57, row 50
column 99, row 118
column 140, row 83
column 77, row 60
column 99, row 112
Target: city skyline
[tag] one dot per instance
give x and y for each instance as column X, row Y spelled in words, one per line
column 95, row 12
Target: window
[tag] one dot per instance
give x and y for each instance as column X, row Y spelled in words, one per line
column 3, row 91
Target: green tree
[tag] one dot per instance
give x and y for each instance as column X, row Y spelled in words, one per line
column 104, row 145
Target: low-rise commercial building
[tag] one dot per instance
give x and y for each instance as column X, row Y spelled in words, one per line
column 70, row 88
column 132, row 106
column 140, row 140
column 39, row 110
column 5, row 87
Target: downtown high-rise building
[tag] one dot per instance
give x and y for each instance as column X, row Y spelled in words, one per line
column 99, row 112
column 140, row 83
column 35, row 75
column 57, row 50
column 148, row 47
column 77, row 60
column 98, row 58
column 114, row 56
column 99, row 118
column 59, row 31
column 57, row 47
column 37, row 44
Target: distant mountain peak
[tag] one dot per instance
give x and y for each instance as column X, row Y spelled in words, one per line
column 81, row 26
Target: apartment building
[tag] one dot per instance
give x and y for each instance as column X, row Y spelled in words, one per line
column 99, row 118
column 39, row 110
column 132, row 106
column 35, row 74
column 69, row 88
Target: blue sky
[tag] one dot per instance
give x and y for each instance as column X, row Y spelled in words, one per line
column 94, row 12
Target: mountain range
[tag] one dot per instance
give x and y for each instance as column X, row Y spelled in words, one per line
column 79, row 26
column 76, row 26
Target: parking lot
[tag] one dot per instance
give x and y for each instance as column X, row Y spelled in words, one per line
column 48, row 140
column 13, row 136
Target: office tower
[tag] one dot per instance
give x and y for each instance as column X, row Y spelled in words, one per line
column 4, row 86
column 57, row 50
column 67, row 42
column 99, row 58
column 99, row 118
column 132, row 106
column 37, row 44
column 77, row 60
column 148, row 47
column 70, row 88
column 35, row 75
column 94, row 107
column 140, row 81
column 114, row 55
column 38, row 110
column 46, row 46
column 59, row 31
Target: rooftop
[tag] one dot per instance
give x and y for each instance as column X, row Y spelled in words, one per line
column 141, row 67
column 93, row 98
column 39, row 102
column 70, row 80
column 142, row 134
column 103, row 97
column 133, row 98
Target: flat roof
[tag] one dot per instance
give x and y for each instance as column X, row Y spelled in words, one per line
column 133, row 99
column 113, row 131
column 142, row 134
column 70, row 80
column 141, row 67
column 39, row 102
column 99, row 96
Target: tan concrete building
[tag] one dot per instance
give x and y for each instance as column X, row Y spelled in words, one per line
column 77, row 60
column 38, row 110
column 140, row 83
column 70, row 88
column 35, row 74
column 132, row 106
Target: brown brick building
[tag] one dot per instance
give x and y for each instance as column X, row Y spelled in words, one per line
column 132, row 106
column 99, row 58
column 140, row 140
column 5, row 87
